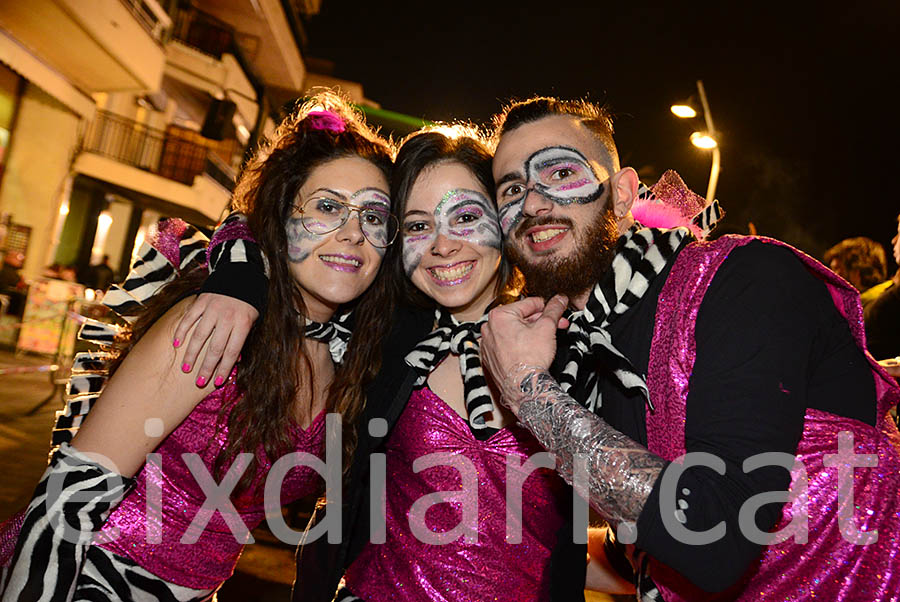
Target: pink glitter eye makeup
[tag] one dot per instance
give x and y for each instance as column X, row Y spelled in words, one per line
column 471, row 213
column 558, row 173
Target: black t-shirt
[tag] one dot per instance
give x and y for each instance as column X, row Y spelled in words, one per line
column 770, row 344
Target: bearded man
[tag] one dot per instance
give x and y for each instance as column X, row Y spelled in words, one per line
column 695, row 375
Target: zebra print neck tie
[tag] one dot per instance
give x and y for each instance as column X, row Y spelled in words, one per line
column 641, row 255
column 334, row 332
column 460, row 339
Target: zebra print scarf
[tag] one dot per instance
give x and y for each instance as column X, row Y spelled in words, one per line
column 461, row 339
column 641, row 255
column 334, row 332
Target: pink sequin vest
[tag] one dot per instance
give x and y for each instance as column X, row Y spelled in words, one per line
column 409, row 568
column 156, row 545
column 827, row 567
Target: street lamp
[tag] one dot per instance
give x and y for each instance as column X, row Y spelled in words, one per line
column 705, row 140
column 684, row 111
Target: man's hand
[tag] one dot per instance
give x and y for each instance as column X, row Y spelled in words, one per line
column 520, row 337
column 892, row 366
column 225, row 321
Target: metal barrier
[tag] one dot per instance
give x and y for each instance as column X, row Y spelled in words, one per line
column 59, row 365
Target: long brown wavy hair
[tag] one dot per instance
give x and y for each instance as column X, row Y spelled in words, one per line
column 274, row 371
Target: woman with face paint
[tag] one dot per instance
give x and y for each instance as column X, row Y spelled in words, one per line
column 316, row 197
column 452, row 453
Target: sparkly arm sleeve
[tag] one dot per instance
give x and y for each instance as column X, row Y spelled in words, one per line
column 71, row 503
column 237, row 266
column 618, row 473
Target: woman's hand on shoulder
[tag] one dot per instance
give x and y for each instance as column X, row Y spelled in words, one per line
column 149, row 395
column 221, row 324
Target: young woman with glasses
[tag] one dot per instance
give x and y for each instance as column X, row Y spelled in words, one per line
column 316, row 197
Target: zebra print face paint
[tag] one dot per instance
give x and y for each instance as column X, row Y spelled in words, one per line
column 375, row 223
column 461, row 214
column 511, row 215
column 372, row 206
column 301, row 242
column 559, row 173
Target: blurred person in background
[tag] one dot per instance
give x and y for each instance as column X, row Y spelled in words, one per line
column 860, row 261
column 882, row 314
column 68, row 273
column 100, row 275
column 10, row 278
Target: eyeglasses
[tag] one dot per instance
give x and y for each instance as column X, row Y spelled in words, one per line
column 321, row 215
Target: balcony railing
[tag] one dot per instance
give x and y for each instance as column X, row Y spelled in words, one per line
column 124, row 140
column 202, row 32
column 152, row 17
column 177, row 153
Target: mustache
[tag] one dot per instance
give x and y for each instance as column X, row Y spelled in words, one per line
column 541, row 220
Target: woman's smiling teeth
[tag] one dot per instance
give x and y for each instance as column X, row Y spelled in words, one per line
column 451, row 274
column 542, row 235
column 342, row 262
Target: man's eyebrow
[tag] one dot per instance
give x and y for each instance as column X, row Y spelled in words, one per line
column 513, row 175
column 329, row 190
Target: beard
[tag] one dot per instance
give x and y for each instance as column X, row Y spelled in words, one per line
column 576, row 273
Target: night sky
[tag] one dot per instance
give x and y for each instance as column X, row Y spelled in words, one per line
column 800, row 95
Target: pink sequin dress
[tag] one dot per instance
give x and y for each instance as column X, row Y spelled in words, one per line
column 209, row 561
column 405, row 568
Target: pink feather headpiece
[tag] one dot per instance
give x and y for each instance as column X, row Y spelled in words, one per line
column 670, row 204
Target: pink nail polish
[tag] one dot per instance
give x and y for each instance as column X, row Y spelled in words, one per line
column 176, row 343
column 185, row 367
column 219, row 381
column 201, row 382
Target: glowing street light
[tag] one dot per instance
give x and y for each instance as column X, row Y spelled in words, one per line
column 704, row 140
column 684, row 111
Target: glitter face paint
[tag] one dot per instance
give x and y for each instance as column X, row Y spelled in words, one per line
column 302, row 242
column 461, row 214
column 558, row 173
column 375, row 223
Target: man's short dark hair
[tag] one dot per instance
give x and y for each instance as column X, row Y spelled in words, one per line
column 593, row 116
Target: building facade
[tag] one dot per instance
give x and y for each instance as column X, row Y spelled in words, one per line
column 114, row 113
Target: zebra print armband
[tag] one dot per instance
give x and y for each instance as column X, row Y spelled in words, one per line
column 71, row 502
